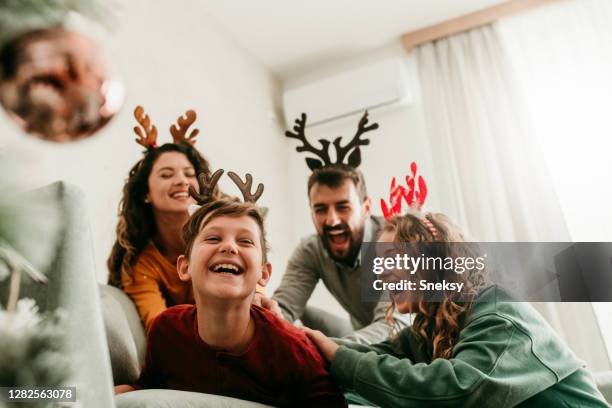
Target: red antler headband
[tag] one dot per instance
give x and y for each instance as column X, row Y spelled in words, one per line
column 415, row 198
column 147, row 132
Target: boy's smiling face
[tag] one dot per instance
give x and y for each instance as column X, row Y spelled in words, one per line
column 226, row 260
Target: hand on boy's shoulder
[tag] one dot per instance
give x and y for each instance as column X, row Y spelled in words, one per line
column 261, row 300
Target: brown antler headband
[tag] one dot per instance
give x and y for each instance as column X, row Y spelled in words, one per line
column 207, row 186
column 147, row 133
column 354, row 158
column 178, row 133
column 245, row 187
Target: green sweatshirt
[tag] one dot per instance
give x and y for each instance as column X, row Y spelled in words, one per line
column 506, row 356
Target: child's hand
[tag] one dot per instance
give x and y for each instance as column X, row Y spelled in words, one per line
column 120, row 389
column 327, row 347
column 268, row 304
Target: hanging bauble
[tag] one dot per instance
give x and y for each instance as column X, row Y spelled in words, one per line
column 57, row 84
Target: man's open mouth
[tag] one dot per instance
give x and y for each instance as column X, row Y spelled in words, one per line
column 337, row 237
column 227, row 268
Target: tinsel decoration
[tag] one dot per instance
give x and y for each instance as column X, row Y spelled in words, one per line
column 19, row 16
column 33, row 350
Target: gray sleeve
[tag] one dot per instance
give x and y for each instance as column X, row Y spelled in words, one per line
column 298, row 283
column 380, row 348
column 398, row 345
column 379, row 330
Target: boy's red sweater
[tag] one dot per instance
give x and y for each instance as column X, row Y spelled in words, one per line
column 281, row 367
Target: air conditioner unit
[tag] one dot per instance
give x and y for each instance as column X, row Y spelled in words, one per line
column 382, row 84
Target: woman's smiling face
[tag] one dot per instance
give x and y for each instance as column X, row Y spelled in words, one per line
column 169, row 182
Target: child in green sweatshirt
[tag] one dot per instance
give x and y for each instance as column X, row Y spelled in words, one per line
column 487, row 352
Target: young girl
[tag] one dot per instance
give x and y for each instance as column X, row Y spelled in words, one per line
column 152, row 213
column 487, row 352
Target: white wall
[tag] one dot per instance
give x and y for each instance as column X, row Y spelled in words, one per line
column 171, row 59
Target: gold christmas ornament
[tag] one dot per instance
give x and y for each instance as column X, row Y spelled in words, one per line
column 57, row 85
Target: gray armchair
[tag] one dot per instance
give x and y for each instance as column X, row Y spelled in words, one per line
column 49, row 227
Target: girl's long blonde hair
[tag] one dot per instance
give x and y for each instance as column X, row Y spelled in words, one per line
column 438, row 324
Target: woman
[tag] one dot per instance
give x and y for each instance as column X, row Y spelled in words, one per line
column 477, row 349
column 152, row 212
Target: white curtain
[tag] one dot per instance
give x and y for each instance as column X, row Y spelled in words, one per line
column 488, row 164
column 562, row 57
column 577, row 324
column 491, row 165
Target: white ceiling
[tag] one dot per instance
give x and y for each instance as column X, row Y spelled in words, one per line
column 287, row 35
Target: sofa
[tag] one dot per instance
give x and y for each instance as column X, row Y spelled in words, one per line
column 106, row 340
column 604, row 383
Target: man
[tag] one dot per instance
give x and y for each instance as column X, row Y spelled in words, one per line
column 340, row 209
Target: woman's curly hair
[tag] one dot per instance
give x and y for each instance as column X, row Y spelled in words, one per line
column 437, row 324
column 136, row 225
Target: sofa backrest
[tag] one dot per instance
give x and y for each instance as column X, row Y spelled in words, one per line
column 125, row 334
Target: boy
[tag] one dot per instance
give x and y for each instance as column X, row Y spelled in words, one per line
column 225, row 345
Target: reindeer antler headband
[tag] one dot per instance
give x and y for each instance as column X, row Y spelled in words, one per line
column 354, row 158
column 208, row 183
column 147, row 132
column 415, row 198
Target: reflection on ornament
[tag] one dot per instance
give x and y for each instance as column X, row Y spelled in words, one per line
column 57, row 85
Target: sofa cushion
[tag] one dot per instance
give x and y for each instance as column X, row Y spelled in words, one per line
column 124, row 333
column 179, row 399
column 121, row 347
column 604, row 384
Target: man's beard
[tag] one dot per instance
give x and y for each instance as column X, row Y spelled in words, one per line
column 354, row 239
